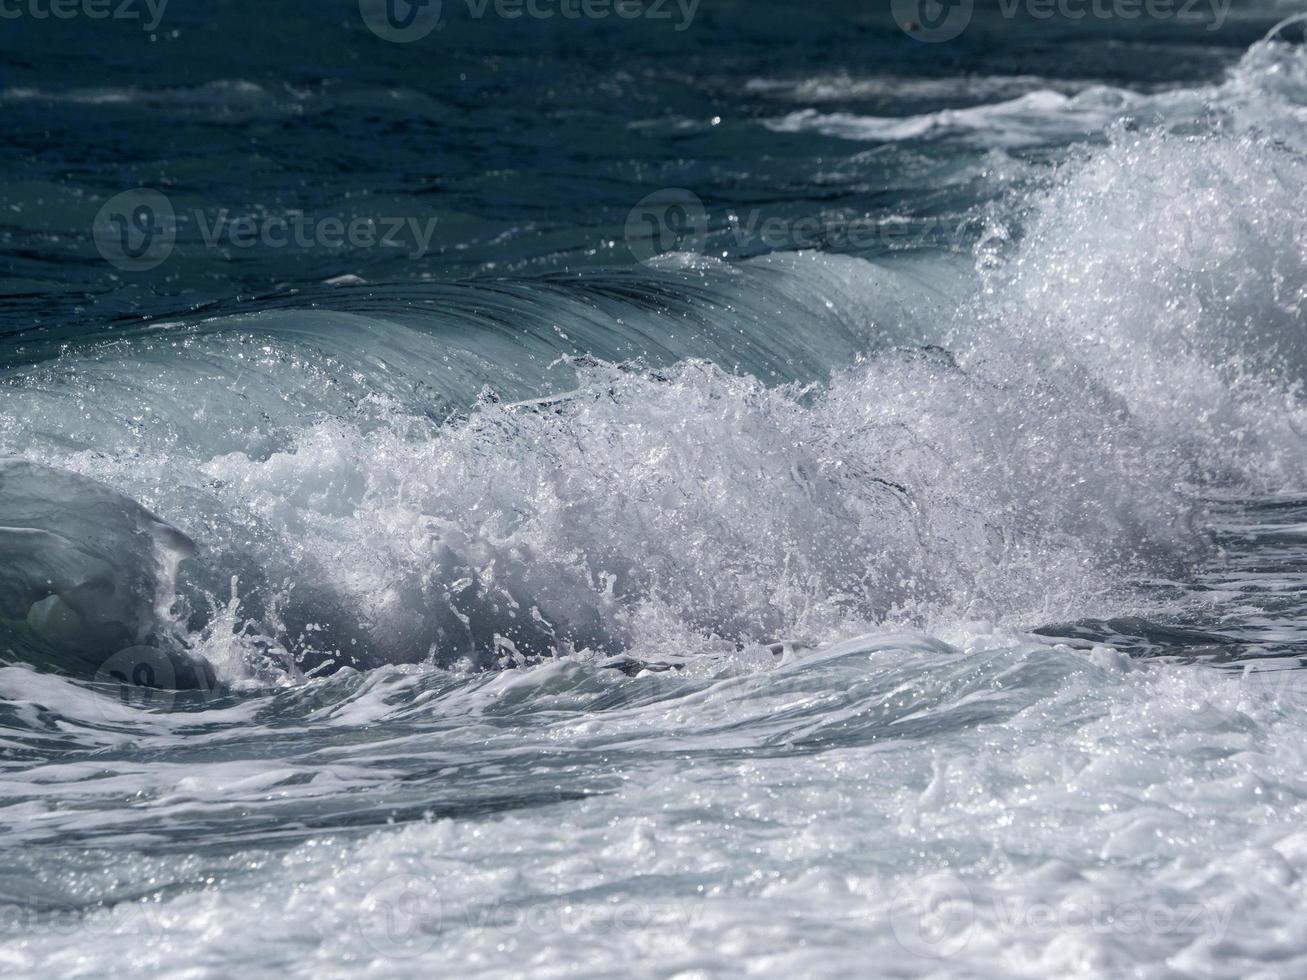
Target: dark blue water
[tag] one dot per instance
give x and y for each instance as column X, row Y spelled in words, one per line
column 528, row 142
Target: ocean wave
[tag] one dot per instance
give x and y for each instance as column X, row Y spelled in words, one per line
column 707, row 455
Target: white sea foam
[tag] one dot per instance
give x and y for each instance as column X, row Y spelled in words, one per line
column 994, row 830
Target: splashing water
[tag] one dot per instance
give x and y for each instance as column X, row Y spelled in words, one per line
column 706, row 617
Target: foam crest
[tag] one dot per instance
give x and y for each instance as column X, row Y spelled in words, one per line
column 1174, row 270
column 690, row 508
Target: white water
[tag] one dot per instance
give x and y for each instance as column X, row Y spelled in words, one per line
column 912, row 781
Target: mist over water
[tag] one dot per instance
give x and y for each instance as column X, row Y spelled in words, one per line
column 514, row 605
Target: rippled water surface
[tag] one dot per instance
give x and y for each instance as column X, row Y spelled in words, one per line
column 790, row 497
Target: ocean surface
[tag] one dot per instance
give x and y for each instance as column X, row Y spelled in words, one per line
column 745, row 489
